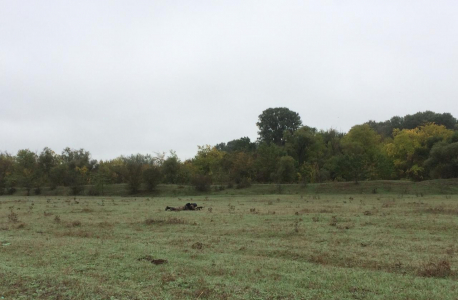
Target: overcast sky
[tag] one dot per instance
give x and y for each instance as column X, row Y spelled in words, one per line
column 124, row 77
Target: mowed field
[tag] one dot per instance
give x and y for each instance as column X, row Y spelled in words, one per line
column 236, row 247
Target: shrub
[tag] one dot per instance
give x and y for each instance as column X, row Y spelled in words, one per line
column 77, row 189
column 244, row 183
column 201, row 183
column 151, row 177
column 37, row 191
column 13, row 217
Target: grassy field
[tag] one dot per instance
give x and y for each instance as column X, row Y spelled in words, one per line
column 320, row 246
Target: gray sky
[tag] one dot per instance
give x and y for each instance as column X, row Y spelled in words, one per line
column 125, row 77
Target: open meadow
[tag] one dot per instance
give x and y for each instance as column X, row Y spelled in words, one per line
column 236, row 247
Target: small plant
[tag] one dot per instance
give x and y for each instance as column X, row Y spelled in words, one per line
column 76, row 223
column 201, row 183
column 37, row 191
column 231, row 207
column 13, row 217
column 57, row 219
column 439, row 269
column 210, row 209
column 296, row 226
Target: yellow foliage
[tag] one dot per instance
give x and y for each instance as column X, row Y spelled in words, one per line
column 407, row 140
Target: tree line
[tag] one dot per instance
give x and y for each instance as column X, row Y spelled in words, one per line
column 416, row 147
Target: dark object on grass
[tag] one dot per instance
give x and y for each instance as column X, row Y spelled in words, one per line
column 188, row 206
column 152, row 260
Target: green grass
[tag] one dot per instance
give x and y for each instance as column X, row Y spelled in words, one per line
column 316, row 246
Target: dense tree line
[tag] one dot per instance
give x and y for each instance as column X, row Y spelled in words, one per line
column 417, row 147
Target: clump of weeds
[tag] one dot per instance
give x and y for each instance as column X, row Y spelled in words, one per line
column 439, row 269
column 76, row 224
column 13, row 217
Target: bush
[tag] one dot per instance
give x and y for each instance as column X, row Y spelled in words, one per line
column 201, row 183
column 151, row 177
column 93, row 191
column 77, row 189
column 244, row 183
column 37, row 191
column 11, row 191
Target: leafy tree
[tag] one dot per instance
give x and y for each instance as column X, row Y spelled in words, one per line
column 332, row 141
column 151, row 177
column 102, row 177
column 304, row 145
column 239, row 167
column 47, row 160
column 266, row 160
column 410, row 148
column 26, row 169
column 243, row 144
column 208, row 161
column 6, row 171
column 133, row 170
column 171, row 168
column 385, row 129
column 443, row 160
column 273, row 123
column 58, row 175
column 286, row 170
column 201, row 183
column 78, row 168
column 362, row 146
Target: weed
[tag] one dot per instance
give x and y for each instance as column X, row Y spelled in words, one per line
column 439, row 269
column 76, row 224
column 197, row 245
column 13, row 217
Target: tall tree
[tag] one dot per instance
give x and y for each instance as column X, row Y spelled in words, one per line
column 273, row 123
column 26, row 169
column 6, row 170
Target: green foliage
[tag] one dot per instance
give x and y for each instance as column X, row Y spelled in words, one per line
column 26, row 170
column 273, row 123
column 267, row 158
column 171, row 168
column 133, row 170
column 443, row 160
column 286, row 170
column 243, row 144
column 403, row 147
column 151, row 177
column 201, row 183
